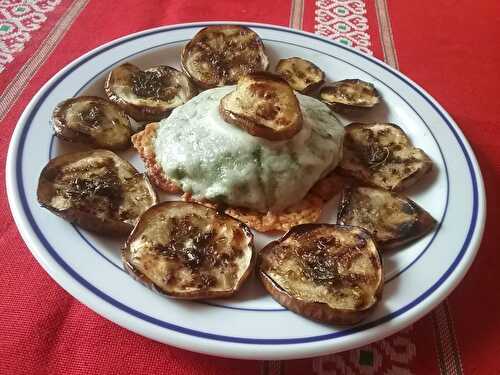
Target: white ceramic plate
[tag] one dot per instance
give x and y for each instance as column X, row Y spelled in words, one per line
column 252, row 325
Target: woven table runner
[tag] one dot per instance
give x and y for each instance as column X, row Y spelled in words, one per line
column 448, row 47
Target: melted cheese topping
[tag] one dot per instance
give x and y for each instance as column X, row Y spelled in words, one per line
column 217, row 161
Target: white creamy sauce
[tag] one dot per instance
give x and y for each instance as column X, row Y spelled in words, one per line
column 218, row 161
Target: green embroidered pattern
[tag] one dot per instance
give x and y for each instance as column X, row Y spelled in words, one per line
column 343, row 21
column 392, row 356
column 366, row 358
column 18, row 20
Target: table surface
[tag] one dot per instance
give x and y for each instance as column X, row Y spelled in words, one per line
column 450, row 47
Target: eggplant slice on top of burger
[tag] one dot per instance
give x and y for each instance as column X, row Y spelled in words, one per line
column 264, row 105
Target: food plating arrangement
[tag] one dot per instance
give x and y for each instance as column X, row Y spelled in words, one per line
column 245, row 149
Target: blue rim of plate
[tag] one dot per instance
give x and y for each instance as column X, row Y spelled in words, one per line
column 245, row 340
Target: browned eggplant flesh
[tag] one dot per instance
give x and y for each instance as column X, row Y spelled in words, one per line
column 350, row 94
column 302, row 75
column 96, row 190
column 151, row 94
column 326, row 272
column 264, row 105
column 382, row 155
column 392, row 219
column 189, row 251
column 92, row 120
column 220, row 55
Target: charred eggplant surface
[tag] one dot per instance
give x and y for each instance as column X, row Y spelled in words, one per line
column 96, row 190
column 392, row 219
column 349, row 95
column 325, row 272
column 220, row 55
column 302, row 75
column 148, row 95
column 382, row 155
column 92, row 120
column 264, row 105
column 189, row 251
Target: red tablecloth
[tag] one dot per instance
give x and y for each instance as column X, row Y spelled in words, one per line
column 450, row 47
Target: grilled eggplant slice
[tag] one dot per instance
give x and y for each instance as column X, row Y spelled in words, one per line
column 392, row 219
column 92, row 120
column 96, row 190
column 381, row 155
column 264, row 105
column 220, row 55
column 326, row 272
column 185, row 250
column 349, row 95
column 302, row 75
column 148, row 95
